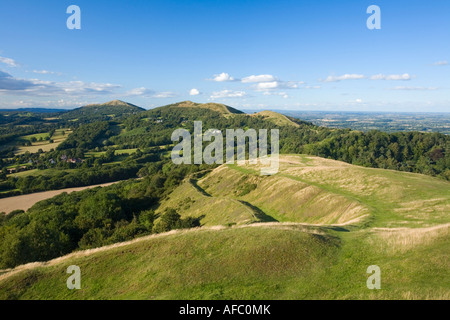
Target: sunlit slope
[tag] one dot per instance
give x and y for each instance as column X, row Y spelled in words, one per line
column 257, row 261
column 275, row 117
column 397, row 221
column 224, row 110
column 316, row 190
column 283, row 198
column 232, row 263
column 189, row 201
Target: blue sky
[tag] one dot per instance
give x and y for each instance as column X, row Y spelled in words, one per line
column 277, row 54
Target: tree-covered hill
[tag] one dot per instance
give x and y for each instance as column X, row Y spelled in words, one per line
column 115, row 109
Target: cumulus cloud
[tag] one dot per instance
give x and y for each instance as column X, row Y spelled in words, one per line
column 10, row 62
column 194, row 92
column 142, row 91
column 9, row 83
column 36, row 87
column 228, row 94
column 346, row 76
column 81, row 87
column 259, row 78
column 275, row 85
column 380, row 76
column 223, row 77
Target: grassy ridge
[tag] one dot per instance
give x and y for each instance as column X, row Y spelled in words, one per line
column 265, row 262
column 405, row 233
column 217, row 264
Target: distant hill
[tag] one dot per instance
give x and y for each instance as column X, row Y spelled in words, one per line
column 104, row 111
column 218, row 107
column 33, row 110
column 275, row 117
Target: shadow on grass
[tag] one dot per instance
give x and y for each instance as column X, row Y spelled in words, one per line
column 261, row 215
column 199, row 189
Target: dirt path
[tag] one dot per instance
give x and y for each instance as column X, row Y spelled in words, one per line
column 26, row 201
column 6, row 273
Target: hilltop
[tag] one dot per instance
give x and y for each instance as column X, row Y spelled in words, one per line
column 217, row 107
column 103, row 111
column 275, row 117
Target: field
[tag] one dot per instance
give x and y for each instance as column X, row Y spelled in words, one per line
column 119, row 152
column 384, row 121
column 46, row 146
column 24, row 202
column 308, row 232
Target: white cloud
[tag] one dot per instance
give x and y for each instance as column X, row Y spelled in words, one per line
column 80, row 87
column 142, row 91
column 380, row 76
column 259, row 78
column 10, row 62
column 45, row 72
column 346, row 76
column 313, row 87
column 149, row 93
column 273, row 85
column 358, row 101
column 441, row 63
column 227, row 94
column 414, row 88
column 165, row 94
column 271, row 93
column 35, row 87
column 223, row 77
column 194, row 92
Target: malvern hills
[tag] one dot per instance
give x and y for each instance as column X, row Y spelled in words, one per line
column 342, row 201
column 118, row 108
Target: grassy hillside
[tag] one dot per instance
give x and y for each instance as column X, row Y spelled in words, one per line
column 104, row 111
column 262, row 262
column 217, row 107
column 329, row 221
column 275, row 117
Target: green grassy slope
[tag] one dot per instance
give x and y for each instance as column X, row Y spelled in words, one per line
column 224, row 110
column 403, row 228
column 275, row 117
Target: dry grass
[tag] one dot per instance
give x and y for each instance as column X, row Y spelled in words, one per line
column 190, row 202
column 275, row 117
column 6, row 273
column 397, row 240
column 284, row 198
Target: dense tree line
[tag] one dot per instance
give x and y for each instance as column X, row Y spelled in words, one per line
column 427, row 153
column 93, row 217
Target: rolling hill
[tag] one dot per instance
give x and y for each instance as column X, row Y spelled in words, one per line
column 104, row 111
column 275, row 117
column 222, row 109
column 308, row 232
